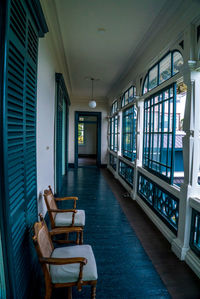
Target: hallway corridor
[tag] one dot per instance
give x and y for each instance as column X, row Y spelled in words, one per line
column 124, row 269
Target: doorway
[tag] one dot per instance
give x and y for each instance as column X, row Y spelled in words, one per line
column 87, row 139
column 61, row 132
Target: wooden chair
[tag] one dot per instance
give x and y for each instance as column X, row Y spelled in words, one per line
column 65, row 266
column 63, row 217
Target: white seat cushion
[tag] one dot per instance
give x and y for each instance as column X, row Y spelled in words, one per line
column 65, row 219
column 70, row 273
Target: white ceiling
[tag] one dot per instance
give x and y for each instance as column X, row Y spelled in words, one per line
column 99, row 39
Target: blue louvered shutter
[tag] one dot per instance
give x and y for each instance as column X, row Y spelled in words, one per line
column 20, row 144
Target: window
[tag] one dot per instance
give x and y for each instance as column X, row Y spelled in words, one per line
column 114, row 133
column 114, row 107
column 128, row 96
column 81, row 132
column 159, row 132
column 129, row 133
column 167, row 67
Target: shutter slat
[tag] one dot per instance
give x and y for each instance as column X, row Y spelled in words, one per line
column 20, row 128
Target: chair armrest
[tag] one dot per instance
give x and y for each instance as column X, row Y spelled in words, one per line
column 74, row 198
column 63, row 261
column 66, row 198
column 62, row 210
column 65, row 230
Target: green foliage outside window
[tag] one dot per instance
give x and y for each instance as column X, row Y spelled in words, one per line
column 81, row 136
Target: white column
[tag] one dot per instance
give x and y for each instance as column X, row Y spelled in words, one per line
column 191, row 158
column 139, row 141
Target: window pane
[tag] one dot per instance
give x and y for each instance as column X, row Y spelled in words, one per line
column 81, row 140
column 177, row 62
column 159, row 133
column 145, row 89
column 129, row 133
column 153, row 77
column 165, row 68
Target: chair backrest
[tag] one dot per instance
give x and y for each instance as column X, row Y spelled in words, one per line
column 42, row 242
column 51, row 204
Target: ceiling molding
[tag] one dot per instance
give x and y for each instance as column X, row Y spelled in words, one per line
column 170, row 10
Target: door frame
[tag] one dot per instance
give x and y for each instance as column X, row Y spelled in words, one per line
column 87, row 113
column 61, row 91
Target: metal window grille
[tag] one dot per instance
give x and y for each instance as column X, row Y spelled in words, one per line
column 164, row 204
column 113, row 162
column 195, row 232
column 126, row 172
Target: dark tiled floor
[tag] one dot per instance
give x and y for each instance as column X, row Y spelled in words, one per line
column 125, row 270
column 179, row 279
column 87, row 161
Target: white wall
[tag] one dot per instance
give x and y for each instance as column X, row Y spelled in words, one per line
column 90, row 146
column 45, row 120
column 82, row 105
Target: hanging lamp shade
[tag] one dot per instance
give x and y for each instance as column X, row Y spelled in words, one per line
column 92, row 104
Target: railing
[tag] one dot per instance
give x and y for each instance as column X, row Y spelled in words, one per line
column 195, row 232
column 126, row 172
column 164, row 204
column 113, row 162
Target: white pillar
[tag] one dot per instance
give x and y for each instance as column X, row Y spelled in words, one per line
column 191, row 158
column 139, row 141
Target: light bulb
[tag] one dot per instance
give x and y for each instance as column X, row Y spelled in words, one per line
column 92, row 104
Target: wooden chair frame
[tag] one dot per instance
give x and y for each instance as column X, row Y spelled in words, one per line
column 55, row 210
column 45, row 261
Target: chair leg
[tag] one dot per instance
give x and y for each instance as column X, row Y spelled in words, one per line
column 93, row 292
column 67, row 236
column 48, row 293
column 81, row 242
column 77, row 239
column 69, row 292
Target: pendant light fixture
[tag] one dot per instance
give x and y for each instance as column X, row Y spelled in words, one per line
column 92, row 103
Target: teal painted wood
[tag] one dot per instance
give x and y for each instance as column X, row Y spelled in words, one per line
column 195, row 232
column 164, row 204
column 4, row 280
column 19, row 146
column 86, row 113
column 61, row 120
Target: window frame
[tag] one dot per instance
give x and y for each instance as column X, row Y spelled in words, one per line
column 149, row 151
column 132, row 133
column 158, row 72
column 130, row 98
column 114, row 122
column 114, row 107
column 83, row 130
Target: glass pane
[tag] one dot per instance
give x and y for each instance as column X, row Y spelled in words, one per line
column 87, row 118
column 153, row 77
column 145, row 85
column 165, row 68
column 177, row 62
column 131, row 92
column 80, row 133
